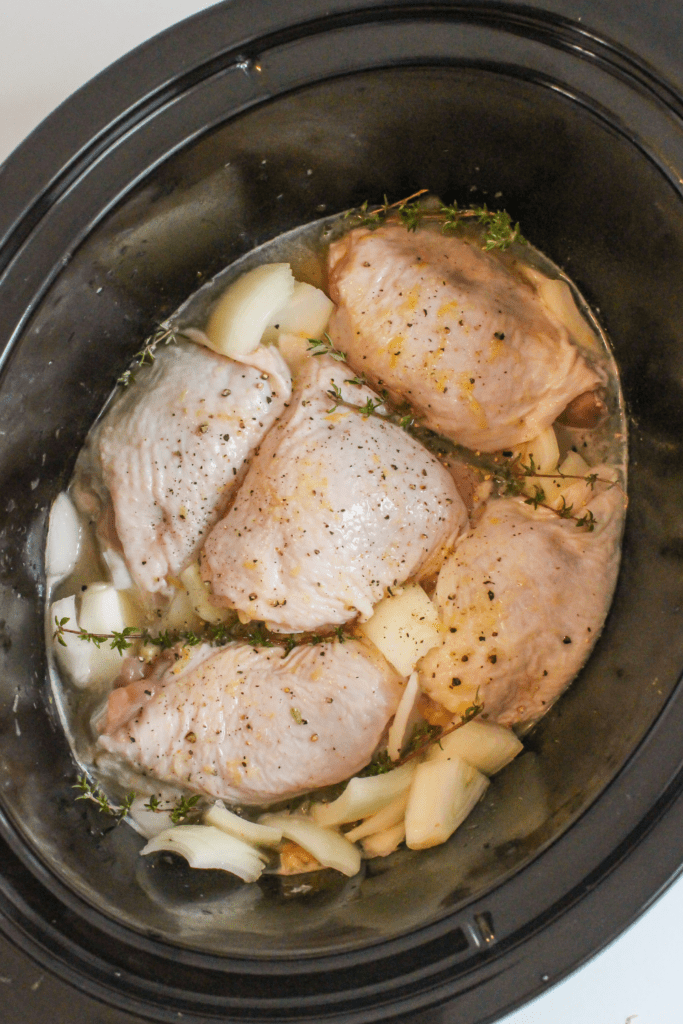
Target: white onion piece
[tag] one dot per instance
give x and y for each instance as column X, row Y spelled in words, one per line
column 103, row 610
column 381, row 844
column 249, row 831
column 556, row 487
column 397, row 730
column 441, row 796
column 206, row 847
column 199, row 595
column 404, row 626
column 181, row 614
column 247, row 307
column 74, row 659
column 63, row 538
column 306, row 314
column 363, row 797
column 389, row 816
column 149, row 823
column 294, row 351
column 118, row 570
column 575, row 493
column 330, row 848
column 543, row 449
column 485, row 746
column 556, row 296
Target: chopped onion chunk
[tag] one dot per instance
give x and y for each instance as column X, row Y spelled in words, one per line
column 441, row 796
column 206, row 847
column 364, row 796
column 484, row 745
column 328, row 847
column 249, row 831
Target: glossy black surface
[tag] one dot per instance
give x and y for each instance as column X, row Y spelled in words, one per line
column 247, row 140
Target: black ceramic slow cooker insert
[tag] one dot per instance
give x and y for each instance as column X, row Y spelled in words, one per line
column 247, row 121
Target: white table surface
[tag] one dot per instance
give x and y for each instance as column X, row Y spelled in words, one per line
column 48, row 48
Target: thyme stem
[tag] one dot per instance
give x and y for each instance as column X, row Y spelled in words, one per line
column 500, row 231
column 254, row 633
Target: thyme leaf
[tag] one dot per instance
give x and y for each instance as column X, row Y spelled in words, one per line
column 537, row 498
column 565, row 510
column 335, row 393
column 588, row 520
column 370, row 407
column 183, row 807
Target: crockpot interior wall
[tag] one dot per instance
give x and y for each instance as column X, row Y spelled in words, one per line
column 584, row 195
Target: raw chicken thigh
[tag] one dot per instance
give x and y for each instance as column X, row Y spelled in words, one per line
column 450, row 329
column 335, row 508
column 160, row 467
column 524, row 596
column 255, row 725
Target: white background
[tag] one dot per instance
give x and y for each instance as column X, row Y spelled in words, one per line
column 48, row 48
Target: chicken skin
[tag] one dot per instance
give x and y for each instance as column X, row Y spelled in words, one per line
column 524, row 597
column 448, row 328
column 336, row 507
column 253, row 725
column 159, row 468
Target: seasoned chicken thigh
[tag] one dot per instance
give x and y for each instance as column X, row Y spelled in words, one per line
column 159, row 468
column 525, row 595
column 256, row 726
column 450, row 329
column 335, row 508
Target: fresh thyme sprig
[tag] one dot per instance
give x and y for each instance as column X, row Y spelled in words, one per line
column 96, row 795
column 325, row 347
column 335, row 394
column 499, row 230
column 119, row 641
column 183, row 807
column 165, row 334
column 368, row 409
column 219, row 634
column 510, row 475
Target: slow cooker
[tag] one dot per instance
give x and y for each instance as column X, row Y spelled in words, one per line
column 249, row 120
